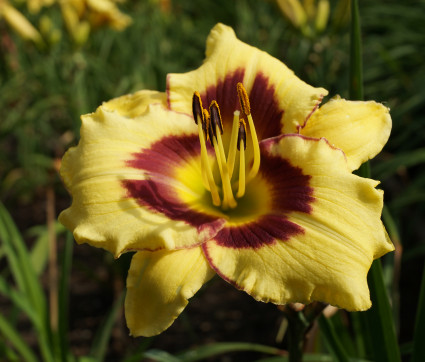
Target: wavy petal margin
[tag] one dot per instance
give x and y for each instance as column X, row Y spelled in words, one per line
column 360, row 129
column 135, row 104
column 159, row 285
column 329, row 257
column 103, row 212
column 272, row 87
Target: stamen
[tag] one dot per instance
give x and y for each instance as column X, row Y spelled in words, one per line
column 246, row 109
column 217, row 128
column 210, row 126
column 198, row 116
column 207, row 174
column 243, row 99
column 233, row 143
column 197, row 108
column 216, row 115
column 241, row 148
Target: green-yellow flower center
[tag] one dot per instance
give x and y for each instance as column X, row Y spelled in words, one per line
column 210, row 127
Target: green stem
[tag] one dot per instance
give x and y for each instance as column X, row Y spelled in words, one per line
column 379, row 320
column 356, row 63
column 296, row 330
column 299, row 322
column 419, row 336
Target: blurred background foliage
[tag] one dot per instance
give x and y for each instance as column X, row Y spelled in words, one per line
column 70, row 56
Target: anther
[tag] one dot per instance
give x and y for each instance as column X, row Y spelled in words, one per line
column 243, row 99
column 216, row 116
column 197, row 107
column 242, row 134
column 207, row 174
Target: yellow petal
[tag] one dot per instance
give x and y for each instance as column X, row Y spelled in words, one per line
column 360, row 129
column 159, row 285
column 328, row 259
column 102, row 212
column 135, row 104
column 230, row 61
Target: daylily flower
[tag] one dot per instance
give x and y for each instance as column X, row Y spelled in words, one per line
column 311, row 16
column 81, row 16
column 234, row 171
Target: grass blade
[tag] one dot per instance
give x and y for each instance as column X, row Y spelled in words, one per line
column 386, row 169
column 379, row 318
column 22, row 270
column 63, row 295
column 161, row 356
column 207, row 351
column 332, row 340
column 18, row 299
column 14, row 338
column 356, row 63
column 40, row 250
column 419, row 336
column 101, row 339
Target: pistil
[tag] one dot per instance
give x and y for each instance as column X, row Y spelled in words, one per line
column 217, row 127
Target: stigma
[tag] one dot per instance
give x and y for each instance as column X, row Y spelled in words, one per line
column 210, row 128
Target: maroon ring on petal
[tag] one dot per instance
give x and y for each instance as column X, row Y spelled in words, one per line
column 158, row 163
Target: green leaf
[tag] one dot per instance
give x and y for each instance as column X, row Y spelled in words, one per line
column 103, row 335
column 28, row 284
column 13, row 337
column 63, row 298
column 356, row 63
column 332, row 340
column 379, row 319
column 207, row 351
column 161, row 356
column 211, row 350
column 388, row 168
column 40, row 250
column 419, row 335
column 18, row 299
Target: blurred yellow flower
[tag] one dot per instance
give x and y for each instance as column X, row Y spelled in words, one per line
column 34, row 6
column 311, row 17
column 80, row 17
column 97, row 13
column 18, row 22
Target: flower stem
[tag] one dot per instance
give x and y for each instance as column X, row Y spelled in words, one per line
column 296, row 329
column 299, row 323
